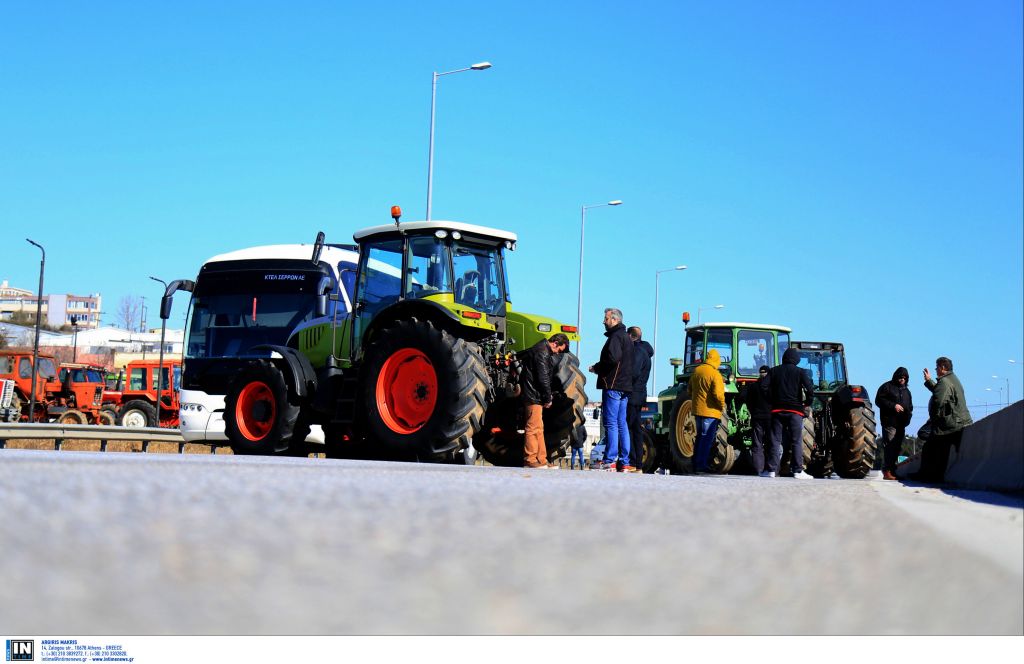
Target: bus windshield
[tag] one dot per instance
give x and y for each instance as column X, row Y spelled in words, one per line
column 234, row 310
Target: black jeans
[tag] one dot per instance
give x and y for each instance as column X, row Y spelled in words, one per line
column 760, row 432
column 893, row 439
column 793, row 425
column 636, row 436
column 935, row 456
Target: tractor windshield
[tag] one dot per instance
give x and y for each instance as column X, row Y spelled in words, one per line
column 80, row 375
column 754, row 350
column 825, row 367
column 478, row 280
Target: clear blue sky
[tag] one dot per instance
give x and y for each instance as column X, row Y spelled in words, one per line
column 852, row 170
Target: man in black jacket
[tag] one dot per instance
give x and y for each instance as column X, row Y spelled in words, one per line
column 783, row 386
column 642, row 354
column 615, row 378
column 538, row 363
column 760, row 409
column 896, row 406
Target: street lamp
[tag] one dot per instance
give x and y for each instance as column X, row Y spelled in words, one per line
column 39, row 315
column 480, row 66
column 160, row 365
column 579, row 300
column 654, row 360
column 700, row 309
column 74, row 336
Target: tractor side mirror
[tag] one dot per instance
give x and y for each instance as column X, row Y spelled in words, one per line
column 318, row 247
column 323, row 296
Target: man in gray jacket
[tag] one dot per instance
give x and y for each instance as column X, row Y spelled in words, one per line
column 948, row 414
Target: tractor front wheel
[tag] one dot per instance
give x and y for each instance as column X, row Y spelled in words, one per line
column 72, row 416
column 682, row 435
column 108, row 417
column 424, row 391
column 259, row 416
column 723, row 455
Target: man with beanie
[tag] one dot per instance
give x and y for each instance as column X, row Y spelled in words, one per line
column 707, row 396
column 783, row 386
column 615, row 378
column 895, row 405
column 948, row 414
column 642, row 354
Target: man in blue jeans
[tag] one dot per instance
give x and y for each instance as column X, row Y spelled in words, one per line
column 615, row 378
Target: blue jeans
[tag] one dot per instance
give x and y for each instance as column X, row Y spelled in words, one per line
column 576, row 452
column 707, row 428
column 614, row 406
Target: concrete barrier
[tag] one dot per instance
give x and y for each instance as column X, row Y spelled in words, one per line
column 991, row 455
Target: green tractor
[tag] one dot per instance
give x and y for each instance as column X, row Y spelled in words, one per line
column 411, row 356
column 743, row 348
column 840, row 436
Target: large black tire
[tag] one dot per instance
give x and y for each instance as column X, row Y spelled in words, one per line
column 822, row 465
column 649, row 457
column 259, row 415
column 137, row 413
column 424, row 391
column 855, row 448
column 563, row 419
column 682, row 435
column 723, row 455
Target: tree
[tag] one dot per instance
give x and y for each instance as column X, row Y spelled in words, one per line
column 129, row 311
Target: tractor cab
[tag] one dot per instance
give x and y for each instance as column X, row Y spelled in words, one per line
column 743, row 348
column 453, row 269
column 825, row 362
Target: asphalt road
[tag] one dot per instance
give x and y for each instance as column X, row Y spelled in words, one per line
column 142, row 544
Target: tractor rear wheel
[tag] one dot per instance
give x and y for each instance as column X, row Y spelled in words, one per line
column 108, row 417
column 72, row 416
column 723, row 455
column 855, row 449
column 259, row 417
column 563, row 419
column 682, row 435
column 820, row 466
column 137, row 414
column 424, row 390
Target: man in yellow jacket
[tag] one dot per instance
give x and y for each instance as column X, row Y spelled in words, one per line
column 707, row 394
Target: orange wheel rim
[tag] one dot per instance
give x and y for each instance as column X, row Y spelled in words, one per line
column 406, row 391
column 255, row 411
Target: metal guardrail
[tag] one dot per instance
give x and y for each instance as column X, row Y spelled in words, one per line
column 59, row 432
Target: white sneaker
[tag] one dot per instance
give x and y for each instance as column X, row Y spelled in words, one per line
column 766, row 473
column 802, row 476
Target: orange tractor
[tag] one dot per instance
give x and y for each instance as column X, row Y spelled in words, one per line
column 135, row 394
column 72, row 395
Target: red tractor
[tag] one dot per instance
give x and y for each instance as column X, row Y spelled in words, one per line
column 72, row 395
column 135, row 394
column 16, row 365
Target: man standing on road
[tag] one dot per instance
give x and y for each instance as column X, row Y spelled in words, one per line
column 615, row 378
column 707, row 394
column 535, row 381
column 642, row 354
column 760, row 409
column 948, row 414
column 783, row 386
column 896, row 406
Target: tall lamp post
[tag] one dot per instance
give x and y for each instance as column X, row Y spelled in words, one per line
column 654, row 360
column 35, row 346
column 160, row 364
column 579, row 297
column 480, row 66
column 700, row 309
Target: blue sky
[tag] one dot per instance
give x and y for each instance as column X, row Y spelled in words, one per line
column 851, row 170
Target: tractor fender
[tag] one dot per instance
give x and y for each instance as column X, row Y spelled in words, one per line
column 298, row 369
column 406, row 309
column 851, row 396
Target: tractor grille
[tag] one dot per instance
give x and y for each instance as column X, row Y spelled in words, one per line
column 97, row 398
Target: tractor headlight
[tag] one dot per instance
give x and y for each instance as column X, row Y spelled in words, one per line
column 544, row 327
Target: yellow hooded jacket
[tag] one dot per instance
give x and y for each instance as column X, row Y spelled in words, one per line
column 707, row 389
